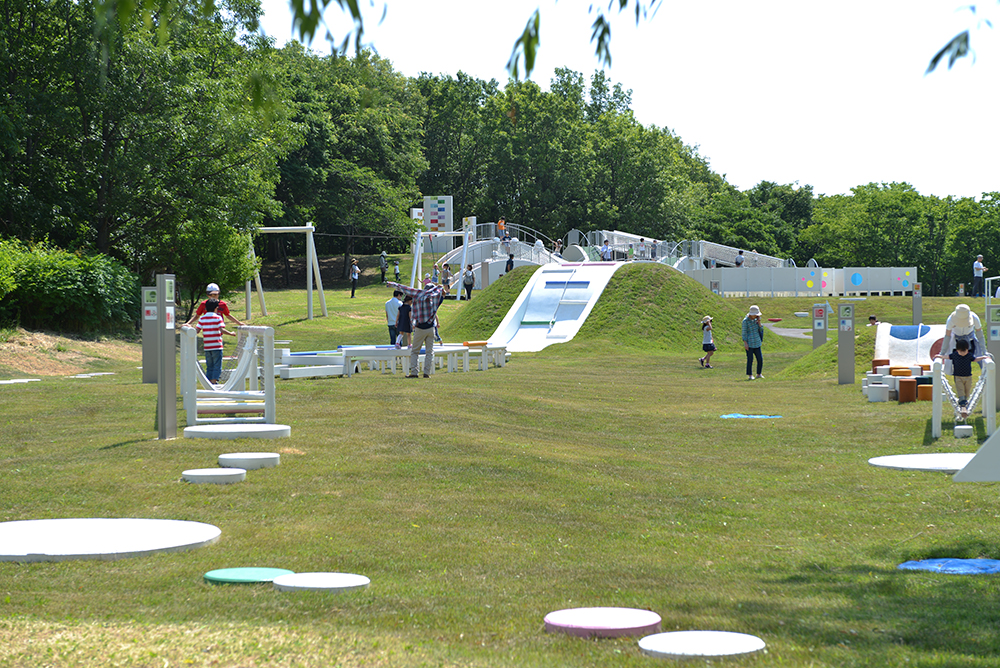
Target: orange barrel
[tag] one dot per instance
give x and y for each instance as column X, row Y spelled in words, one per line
column 899, row 371
column 907, row 390
column 925, row 367
column 925, row 392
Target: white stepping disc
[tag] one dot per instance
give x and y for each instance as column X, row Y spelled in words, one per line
column 333, row 582
column 20, row 380
column 100, row 538
column 945, row 462
column 215, row 476
column 231, row 431
column 602, row 622
column 699, row 644
column 249, row 460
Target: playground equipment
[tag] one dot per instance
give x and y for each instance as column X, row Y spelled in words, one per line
column 240, row 399
column 553, row 305
column 312, row 269
column 985, row 389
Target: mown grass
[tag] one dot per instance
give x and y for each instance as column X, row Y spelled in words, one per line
column 596, row 472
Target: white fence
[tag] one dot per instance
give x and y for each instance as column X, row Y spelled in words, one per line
column 806, row 281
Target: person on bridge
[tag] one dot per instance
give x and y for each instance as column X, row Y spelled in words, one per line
column 739, row 259
column 606, row 251
column 963, row 324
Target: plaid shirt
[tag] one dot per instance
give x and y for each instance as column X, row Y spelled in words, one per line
column 425, row 302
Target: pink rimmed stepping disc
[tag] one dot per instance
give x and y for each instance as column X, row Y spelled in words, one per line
column 602, row 622
column 700, row 644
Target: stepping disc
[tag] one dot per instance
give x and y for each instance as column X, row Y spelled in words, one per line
column 944, row 462
column 602, row 622
column 215, row 476
column 249, row 460
column 699, row 644
column 250, row 575
column 100, row 538
column 231, row 431
column 334, row 582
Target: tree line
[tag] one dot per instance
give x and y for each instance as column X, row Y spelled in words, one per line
column 166, row 153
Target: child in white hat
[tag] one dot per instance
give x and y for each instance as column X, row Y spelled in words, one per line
column 707, row 344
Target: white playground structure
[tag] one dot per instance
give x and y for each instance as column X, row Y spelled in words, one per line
column 246, row 397
column 984, row 390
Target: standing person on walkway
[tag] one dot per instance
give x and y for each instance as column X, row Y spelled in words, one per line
column 509, row 267
column 212, row 291
column 963, row 325
column 422, row 314
column 606, row 251
column 753, row 337
column 211, row 326
column 468, row 282
column 977, row 276
column 446, row 275
column 355, row 275
column 739, row 259
column 383, row 265
column 707, row 343
column 392, row 314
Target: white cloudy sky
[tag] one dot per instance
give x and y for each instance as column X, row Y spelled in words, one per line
column 831, row 94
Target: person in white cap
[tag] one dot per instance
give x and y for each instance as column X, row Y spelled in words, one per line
column 383, row 265
column 707, row 343
column 753, row 337
column 963, row 325
column 212, row 290
column 977, row 276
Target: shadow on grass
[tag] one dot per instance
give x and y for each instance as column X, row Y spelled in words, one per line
column 866, row 609
column 124, row 443
column 978, row 425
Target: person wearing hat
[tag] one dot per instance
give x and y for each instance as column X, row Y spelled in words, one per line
column 707, row 344
column 977, row 276
column 753, row 337
column 963, row 325
column 383, row 265
column 355, row 275
column 212, row 290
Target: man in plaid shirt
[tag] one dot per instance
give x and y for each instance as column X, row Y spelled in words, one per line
column 422, row 312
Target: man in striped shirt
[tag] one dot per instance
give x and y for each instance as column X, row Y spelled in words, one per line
column 211, row 327
column 422, row 314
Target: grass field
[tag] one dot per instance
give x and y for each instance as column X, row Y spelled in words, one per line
column 594, row 473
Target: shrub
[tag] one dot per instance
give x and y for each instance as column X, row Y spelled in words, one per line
column 62, row 291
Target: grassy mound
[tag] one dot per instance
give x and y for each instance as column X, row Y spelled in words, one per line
column 645, row 305
column 822, row 362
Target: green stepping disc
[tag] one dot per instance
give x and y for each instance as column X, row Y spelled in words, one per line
column 250, row 575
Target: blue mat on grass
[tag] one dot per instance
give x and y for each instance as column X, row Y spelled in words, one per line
column 954, row 566
column 741, row 415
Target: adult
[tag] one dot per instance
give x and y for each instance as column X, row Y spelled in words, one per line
column 606, row 251
column 383, row 265
column 963, row 325
column 446, row 275
column 642, row 248
column 739, row 259
column 212, row 290
column 557, row 247
column 753, row 338
column 423, row 313
column 509, row 267
column 392, row 314
column 977, row 276
column 355, row 275
column 468, row 281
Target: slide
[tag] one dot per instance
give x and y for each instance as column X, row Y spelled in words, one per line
column 905, row 345
column 553, row 305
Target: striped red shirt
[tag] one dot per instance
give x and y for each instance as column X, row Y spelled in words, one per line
column 210, row 326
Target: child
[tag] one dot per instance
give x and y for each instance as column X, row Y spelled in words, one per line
column 403, row 325
column 211, row 327
column 707, row 345
column 395, row 268
column 961, row 364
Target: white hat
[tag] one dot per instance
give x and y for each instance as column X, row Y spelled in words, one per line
column 383, row 252
column 212, row 287
column 962, row 316
column 754, row 310
column 707, row 318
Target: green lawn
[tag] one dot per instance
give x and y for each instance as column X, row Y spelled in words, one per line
column 595, row 473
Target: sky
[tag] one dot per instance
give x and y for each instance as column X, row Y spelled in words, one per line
column 828, row 94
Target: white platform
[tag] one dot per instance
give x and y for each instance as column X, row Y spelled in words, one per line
column 100, row 538
column 332, row 582
column 602, row 622
column 231, row 431
column 215, row 476
column 20, row 380
column 944, row 462
column 700, row 644
column 249, row 460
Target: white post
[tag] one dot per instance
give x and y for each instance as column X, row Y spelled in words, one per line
column 936, row 400
column 315, row 269
column 189, row 382
column 988, row 400
column 270, row 416
column 309, row 276
column 418, row 252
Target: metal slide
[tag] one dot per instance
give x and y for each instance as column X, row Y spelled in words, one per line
column 553, row 305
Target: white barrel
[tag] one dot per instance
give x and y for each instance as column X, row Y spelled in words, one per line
column 878, row 392
column 883, row 369
column 963, row 430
